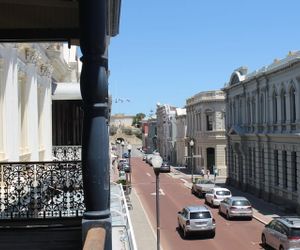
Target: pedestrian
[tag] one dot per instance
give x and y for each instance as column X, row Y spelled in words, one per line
column 207, row 173
column 202, row 172
column 215, row 173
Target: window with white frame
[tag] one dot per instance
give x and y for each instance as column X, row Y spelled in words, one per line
column 293, row 104
column 274, row 107
column 209, row 121
column 283, row 106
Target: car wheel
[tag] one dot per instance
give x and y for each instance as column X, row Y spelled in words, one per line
column 263, row 240
column 213, row 234
column 192, row 191
column 185, row 233
column 220, row 212
column 228, row 216
column 281, row 248
column 179, row 226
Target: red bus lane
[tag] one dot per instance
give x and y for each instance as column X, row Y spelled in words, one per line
column 233, row 234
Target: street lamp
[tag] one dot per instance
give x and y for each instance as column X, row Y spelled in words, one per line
column 122, row 144
column 129, row 147
column 192, row 158
column 156, row 163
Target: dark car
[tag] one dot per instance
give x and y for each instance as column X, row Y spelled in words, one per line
column 165, row 168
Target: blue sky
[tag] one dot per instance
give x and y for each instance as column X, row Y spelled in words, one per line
column 170, row 50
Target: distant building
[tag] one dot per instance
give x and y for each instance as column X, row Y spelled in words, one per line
column 206, row 126
column 166, row 131
column 181, row 149
column 121, row 120
column 263, row 127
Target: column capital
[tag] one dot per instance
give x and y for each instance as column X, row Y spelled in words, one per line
column 32, row 56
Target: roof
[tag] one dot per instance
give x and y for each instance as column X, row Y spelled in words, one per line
column 234, row 198
column 195, row 208
column 293, row 221
column 48, row 20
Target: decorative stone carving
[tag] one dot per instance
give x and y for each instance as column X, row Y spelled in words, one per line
column 46, row 70
column 32, row 56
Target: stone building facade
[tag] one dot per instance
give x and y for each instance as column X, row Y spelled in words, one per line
column 181, row 149
column 263, row 125
column 166, row 131
column 206, row 126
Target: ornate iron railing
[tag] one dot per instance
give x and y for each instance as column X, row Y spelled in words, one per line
column 41, row 189
column 66, row 153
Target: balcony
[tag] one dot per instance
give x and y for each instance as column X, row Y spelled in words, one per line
column 42, row 203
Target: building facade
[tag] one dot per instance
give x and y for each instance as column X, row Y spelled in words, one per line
column 181, row 149
column 263, row 125
column 206, row 126
column 28, row 73
column 121, row 120
column 166, row 131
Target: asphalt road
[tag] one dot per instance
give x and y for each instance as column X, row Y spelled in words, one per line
column 231, row 235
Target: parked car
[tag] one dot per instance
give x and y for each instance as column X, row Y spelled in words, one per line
column 201, row 186
column 215, row 195
column 282, row 233
column 144, row 157
column 196, row 219
column 148, row 158
column 236, row 206
column 165, row 167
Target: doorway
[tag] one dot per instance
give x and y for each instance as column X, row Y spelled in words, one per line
column 210, row 153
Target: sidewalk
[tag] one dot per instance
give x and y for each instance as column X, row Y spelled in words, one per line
column 262, row 210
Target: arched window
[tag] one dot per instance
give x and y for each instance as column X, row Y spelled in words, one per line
column 249, row 112
column 253, row 111
column 262, row 109
column 283, row 106
column 274, row 105
column 293, row 104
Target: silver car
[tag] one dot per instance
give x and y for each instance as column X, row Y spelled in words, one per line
column 196, row 219
column 282, row 233
column 236, row 206
column 214, row 196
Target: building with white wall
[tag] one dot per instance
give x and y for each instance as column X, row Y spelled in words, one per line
column 166, row 131
column 27, row 73
column 206, row 126
column 263, row 125
column 181, row 149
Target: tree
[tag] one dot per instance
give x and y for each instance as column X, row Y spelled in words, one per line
column 137, row 119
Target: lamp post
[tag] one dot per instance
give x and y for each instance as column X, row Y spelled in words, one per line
column 129, row 147
column 156, row 163
column 122, row 144
column 192, row 158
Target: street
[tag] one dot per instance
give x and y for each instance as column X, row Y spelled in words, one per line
column 234, row 234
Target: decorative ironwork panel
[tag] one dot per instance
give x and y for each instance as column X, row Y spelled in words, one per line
column 41, row 189
column 66, row 153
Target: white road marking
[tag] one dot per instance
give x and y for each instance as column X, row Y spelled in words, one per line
column 148, row 174
column 161, row 192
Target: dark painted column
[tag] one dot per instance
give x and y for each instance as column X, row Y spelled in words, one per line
column 95, row 140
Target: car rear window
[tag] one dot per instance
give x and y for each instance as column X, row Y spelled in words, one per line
column 204, row 181
column 295, row 232
column 241, row 203
column 223, row 193
column 200, row 215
